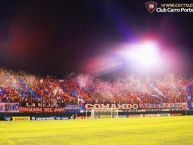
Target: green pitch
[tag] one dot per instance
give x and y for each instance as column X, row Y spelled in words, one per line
column 123, row 131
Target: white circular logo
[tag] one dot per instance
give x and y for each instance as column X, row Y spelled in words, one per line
column 151, row 6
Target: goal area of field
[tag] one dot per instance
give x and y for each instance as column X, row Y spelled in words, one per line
column 104, row 113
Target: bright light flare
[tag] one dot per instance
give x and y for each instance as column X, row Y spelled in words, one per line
column 147, row 55
column 143, row 57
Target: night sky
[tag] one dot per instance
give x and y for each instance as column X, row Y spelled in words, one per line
column 57, row 37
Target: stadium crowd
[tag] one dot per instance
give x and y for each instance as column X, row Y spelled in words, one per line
column 38, row 91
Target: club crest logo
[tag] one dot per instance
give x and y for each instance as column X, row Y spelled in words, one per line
column 151, row 6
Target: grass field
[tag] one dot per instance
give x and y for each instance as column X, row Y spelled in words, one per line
column 123, row 131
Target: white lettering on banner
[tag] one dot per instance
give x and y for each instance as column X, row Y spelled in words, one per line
column 111, row 106
column 182, row 106
column 135, row 106
column 9, row 107
column 105, row 106
column 168, row 106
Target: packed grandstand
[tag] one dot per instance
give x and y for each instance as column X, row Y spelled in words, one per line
column 35, row 91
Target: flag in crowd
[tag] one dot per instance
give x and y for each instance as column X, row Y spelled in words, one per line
column 189, row 97
column 28, row 89
column 1, row 92
column 21, row 93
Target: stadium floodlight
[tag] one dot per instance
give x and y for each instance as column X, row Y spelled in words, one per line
column 143, row 56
